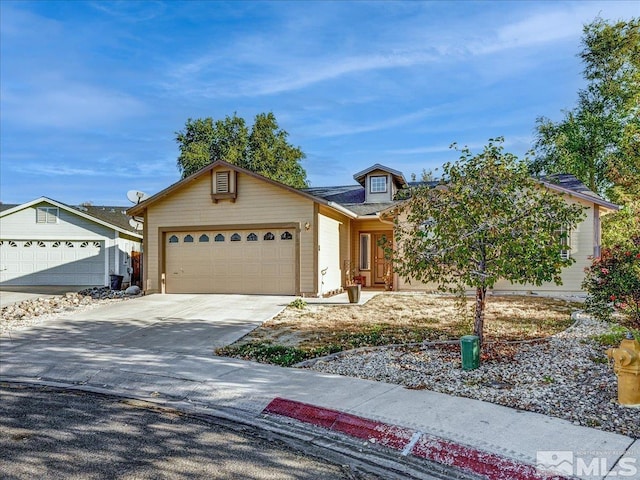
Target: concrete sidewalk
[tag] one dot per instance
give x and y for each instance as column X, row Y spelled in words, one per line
column 250, row 388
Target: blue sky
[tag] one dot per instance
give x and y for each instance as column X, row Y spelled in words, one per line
column 92, row 93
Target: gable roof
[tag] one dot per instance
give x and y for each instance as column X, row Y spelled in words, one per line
column 569, row 184
column 7, row 206
column 562, row 183
column 342, row 195
column 114, row 219
column 139, row 208
column 350, row 199
column 396, row 174
column 115, row 215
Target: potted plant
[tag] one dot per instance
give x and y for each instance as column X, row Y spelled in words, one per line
column 351, row 286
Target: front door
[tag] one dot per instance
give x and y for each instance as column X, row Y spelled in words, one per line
column 379, row 262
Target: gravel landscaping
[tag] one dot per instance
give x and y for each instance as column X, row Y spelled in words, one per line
column 39, row 310
column 566, row 376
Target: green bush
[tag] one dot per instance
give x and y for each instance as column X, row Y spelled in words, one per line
column 613, row 283
column 266, row 352
column 298, row 303
column 613, row 337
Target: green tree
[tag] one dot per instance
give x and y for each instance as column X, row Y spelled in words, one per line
column 271, row 155
column 599, row 140
column 618, row 226
column 264, row 149
column 486, row 220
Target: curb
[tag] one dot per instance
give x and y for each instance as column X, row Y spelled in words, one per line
column 409, row 442
column 360, row 461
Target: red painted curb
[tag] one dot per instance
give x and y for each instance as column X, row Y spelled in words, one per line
column 322, row 417
column 387, row 435
column 438, row 450
column 490, row 465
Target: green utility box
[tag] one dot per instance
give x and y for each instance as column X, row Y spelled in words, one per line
column 470, row 350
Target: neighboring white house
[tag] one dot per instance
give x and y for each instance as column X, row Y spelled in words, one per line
column 45, row 242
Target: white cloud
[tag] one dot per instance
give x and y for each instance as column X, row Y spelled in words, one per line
column 553, row 22
column 130, row 11
column 331, row 128
column 67, row 105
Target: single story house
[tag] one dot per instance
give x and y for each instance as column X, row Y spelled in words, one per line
column 45, row 242
column 225, row 229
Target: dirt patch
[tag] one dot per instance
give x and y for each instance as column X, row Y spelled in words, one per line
column 393, row 318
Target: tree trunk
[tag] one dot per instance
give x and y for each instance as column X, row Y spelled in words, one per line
column 478, row 324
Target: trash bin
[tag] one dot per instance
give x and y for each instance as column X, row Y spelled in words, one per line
column 116, row 281
column 470, row 350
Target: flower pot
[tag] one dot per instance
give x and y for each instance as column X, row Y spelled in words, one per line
column 353, row 291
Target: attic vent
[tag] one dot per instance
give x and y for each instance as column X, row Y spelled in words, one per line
column 222, row 182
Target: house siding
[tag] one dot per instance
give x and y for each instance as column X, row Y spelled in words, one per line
column 582, row 244
column 257, row 203
column 345, row 234
column 329, row 254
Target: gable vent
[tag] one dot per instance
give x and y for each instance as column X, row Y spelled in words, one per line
column 222, row 182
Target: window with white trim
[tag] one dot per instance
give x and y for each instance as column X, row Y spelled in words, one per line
column 47, row 214
column 564, row 236
column 378, row 184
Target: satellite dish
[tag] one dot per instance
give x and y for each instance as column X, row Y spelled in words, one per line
column 136, row 196
column 138, row 219
column 135, row 224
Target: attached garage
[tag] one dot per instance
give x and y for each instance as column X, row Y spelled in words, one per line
column 248, row 261
column 47, row 262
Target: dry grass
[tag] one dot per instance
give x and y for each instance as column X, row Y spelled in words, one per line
column 394, row 318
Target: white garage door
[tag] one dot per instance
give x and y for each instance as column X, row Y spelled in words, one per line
column 37, row 262
column 231, row 261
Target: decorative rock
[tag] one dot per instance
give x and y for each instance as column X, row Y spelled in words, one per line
column 561, row 377
column 29, row 312
column 132, row 290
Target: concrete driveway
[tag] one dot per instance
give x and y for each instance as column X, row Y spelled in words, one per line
column 186, row 324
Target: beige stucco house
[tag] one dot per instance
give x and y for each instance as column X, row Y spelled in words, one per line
column 225, row 229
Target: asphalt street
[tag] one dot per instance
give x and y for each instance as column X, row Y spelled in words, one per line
column 47, row 433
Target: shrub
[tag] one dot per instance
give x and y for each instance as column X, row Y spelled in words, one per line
column 298, row 303
column 613, row 282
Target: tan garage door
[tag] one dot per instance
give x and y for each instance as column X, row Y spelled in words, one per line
column 231, row 261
